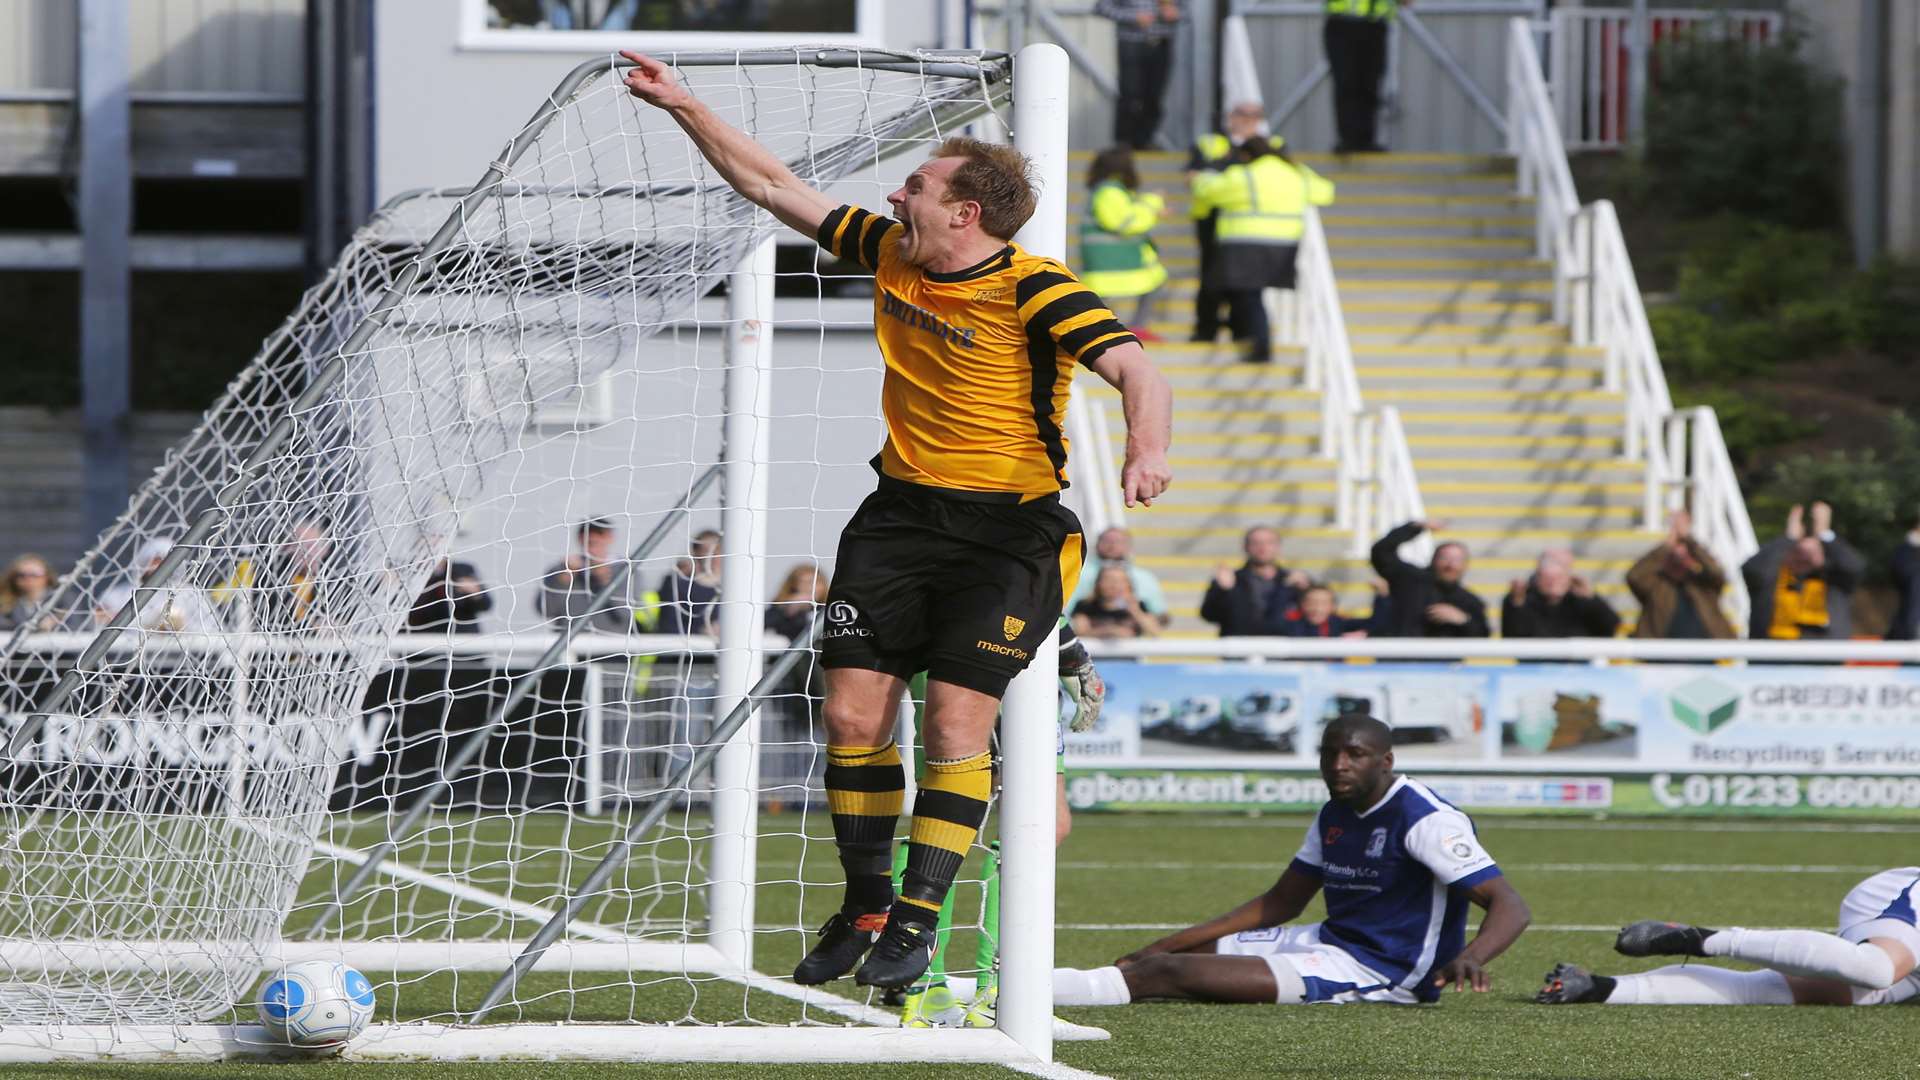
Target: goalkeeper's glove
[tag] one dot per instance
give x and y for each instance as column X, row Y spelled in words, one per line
column 1082, row 683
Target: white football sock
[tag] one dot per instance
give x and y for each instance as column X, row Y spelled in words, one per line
column 1097, row 986
column 1806, row 952
column 1701, row 984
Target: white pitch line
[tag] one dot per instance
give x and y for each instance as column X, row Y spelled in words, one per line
column 1054, row 1070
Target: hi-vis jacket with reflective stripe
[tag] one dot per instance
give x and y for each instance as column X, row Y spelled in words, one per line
column 1211, row 153
column 1263, row 201
column 1116, row 258
column 1364, row 9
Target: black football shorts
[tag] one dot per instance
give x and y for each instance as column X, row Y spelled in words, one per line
column 964, row 590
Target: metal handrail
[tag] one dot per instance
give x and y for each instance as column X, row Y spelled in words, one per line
column 1090, row 467
column 1597, row 296
column 1374, row 480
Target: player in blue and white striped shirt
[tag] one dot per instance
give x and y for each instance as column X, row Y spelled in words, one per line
column 1398, row 865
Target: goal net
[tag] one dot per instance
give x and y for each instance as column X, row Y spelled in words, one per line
column 411, row 648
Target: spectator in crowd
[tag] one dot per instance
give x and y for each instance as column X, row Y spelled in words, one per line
column 1113, row 611
column 1380, row 619
column 1317, row 617
column 1115, row 547
column 1355, row 36
column 1212, row 153
column 1906, row 579
column 289, row 587
column 452, row 600
column 800, row 595
column 1556, row 602
column 1143, row 32
column 1801, row 585
column 1429, row 601
column 26, row 585
column 1678, row 585
column 567, row 590
column 1253, row 600
column 791, row 759
column 1261, row 202
column 1117, row 257
column 690, row 595
column 180, row 606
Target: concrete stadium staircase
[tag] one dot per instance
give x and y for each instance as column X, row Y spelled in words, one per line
column 1515, row 440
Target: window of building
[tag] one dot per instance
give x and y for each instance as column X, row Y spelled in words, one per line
column 591, row 25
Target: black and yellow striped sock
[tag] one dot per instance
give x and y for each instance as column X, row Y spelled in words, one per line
column 947, row 814
column 865, row 787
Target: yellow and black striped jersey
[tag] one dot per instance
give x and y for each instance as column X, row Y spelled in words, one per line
column 978, row 360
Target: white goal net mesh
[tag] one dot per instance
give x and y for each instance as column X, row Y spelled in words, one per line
column 454, row 442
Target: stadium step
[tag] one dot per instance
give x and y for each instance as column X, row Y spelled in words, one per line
column 1516, row 440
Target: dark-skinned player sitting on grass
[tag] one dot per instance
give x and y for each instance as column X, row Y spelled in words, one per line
column 1398, row 864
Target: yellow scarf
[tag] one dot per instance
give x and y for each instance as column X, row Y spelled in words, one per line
column 1794, row 608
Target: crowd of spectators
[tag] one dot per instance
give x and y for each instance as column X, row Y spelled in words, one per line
column 1801, row 587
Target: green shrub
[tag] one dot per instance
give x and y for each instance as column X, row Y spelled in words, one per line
column 1750, row 297
column 1875, row 495
column 1750, row 423
column 1750, row 130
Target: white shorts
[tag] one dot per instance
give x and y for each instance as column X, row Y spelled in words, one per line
column 1885, row 906
column 1331, row 974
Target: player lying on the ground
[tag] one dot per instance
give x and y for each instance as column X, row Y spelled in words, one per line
column 1399, row 866
column 1868, row 960
column 962, row 560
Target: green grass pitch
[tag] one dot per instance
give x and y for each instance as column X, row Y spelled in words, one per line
column 1121, row 877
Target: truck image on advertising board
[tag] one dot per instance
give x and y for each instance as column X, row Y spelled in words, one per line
column 1417, row 712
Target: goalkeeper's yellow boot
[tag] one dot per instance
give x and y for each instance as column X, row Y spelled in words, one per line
column 929, row 1007
column 980, row 1012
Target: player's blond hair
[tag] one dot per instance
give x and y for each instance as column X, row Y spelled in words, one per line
column 996, row 176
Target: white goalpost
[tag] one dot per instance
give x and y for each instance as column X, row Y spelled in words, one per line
column 444, row 645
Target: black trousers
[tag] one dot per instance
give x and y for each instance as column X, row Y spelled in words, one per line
column 1209, row 297
column 1357, row 53
column 1144, row 67
column 1247, row 314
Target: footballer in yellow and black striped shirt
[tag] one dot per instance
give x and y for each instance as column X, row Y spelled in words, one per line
column 959, row 564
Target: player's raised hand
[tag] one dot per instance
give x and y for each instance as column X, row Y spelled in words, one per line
column 1463, row 971
column 654, row 82
column 1144, row 477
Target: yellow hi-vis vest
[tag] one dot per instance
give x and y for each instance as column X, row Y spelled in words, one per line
column 1116, row 258
column 1264, row 201
column 1214, row 150
column 1364, row 9
column 1211, row 153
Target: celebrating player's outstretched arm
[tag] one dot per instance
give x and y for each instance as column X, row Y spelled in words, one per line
column 761, row 178
column 1386, row 851
column 959, row 564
